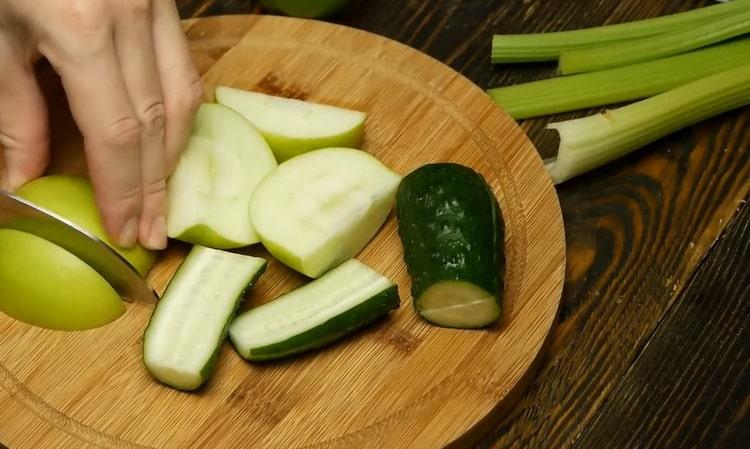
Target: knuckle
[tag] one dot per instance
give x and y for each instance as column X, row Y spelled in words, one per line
column 152, row 119
column 123, row 133
column 155, row 187
column 121, row 201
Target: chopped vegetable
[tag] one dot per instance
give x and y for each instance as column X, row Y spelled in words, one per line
column 619, row 84
column 623, row 53
column 450, row 224
column 548, row 46
column 589, row 142
column 343, row 300
column 321, row 208
column 210, row 190
column 189, row 324
column 292, row 127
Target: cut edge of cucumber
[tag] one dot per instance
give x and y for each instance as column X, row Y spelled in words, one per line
column 458, row 304
column 192, row 380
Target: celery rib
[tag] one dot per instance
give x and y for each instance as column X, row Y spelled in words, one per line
column 654, row 47
column 589, row 142
column 548, row 46
column 619, row 84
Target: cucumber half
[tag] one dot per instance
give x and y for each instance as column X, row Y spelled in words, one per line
column 453, row 236
column 189, row 324
column 344, row 299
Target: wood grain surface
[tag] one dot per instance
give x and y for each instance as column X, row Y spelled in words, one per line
column 638, row 233
column 400, row 383
column 645, row 275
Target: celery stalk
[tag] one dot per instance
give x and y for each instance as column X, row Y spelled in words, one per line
column 589, row 142
column 655, row 47
column 548, row 46
column 619, row 84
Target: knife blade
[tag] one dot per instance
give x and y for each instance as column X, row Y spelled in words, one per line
column 22, row 215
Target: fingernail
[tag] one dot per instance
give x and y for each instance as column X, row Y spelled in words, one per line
column 157, row 237
column 128, row 233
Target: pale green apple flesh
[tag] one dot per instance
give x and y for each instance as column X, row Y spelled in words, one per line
column 292, row 127
column 321, row 208
column 45, row 285
column 210, row 190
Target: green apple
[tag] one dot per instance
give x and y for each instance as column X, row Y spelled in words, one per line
column 45, row 285
column 72, row 197
column 292, row 127
column 305, row 8
column 321, row 208
column 210, row 190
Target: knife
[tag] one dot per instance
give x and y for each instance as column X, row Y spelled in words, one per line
column 22, row 215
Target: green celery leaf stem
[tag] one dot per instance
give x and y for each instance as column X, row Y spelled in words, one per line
column 508, row 48
column 655, row 47
column 620, row 84
column 589, row 142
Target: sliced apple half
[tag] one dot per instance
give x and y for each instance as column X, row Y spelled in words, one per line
column 292, row 127
column 210, row 190
column 45, row 285
column 321, row 208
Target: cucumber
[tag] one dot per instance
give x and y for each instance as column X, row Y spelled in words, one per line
column 321, row 208
column 344, row 299
column 189, row 323
column 453, row 235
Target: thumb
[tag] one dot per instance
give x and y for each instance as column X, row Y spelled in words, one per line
column 24, row 134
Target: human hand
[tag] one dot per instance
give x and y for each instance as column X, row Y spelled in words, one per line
column 132, row 89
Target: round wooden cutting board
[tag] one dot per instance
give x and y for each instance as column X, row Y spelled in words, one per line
column 400, row 383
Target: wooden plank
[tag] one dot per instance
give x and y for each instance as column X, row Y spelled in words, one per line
column 690, row 387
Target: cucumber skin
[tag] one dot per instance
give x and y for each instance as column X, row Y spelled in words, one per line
column 451, row 228
column 331, row 330
column 208, row 368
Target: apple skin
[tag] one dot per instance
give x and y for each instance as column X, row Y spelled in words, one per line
column 286, row 148
column 45, row 285
column 72, row 197
column 309, row 9
column 260, row 109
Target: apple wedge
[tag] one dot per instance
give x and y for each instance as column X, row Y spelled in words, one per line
column 292, row 127
column 321, row 208
column 210, row 190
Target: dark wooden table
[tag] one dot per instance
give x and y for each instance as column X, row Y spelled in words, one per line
column 652, row 349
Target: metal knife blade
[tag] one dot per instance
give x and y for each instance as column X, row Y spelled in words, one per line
column 22, row 215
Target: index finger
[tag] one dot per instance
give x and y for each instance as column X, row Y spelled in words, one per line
column 101, row 107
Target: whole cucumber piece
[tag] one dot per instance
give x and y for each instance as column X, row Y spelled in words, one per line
column 452, row 231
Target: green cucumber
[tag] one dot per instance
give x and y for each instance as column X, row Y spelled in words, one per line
column 452, row 231
column 341, row 301
column 190, row 321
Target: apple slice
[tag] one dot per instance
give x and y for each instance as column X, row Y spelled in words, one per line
column 210, row 190
column 292, row 127
column 45, row 285
column 321, row 208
